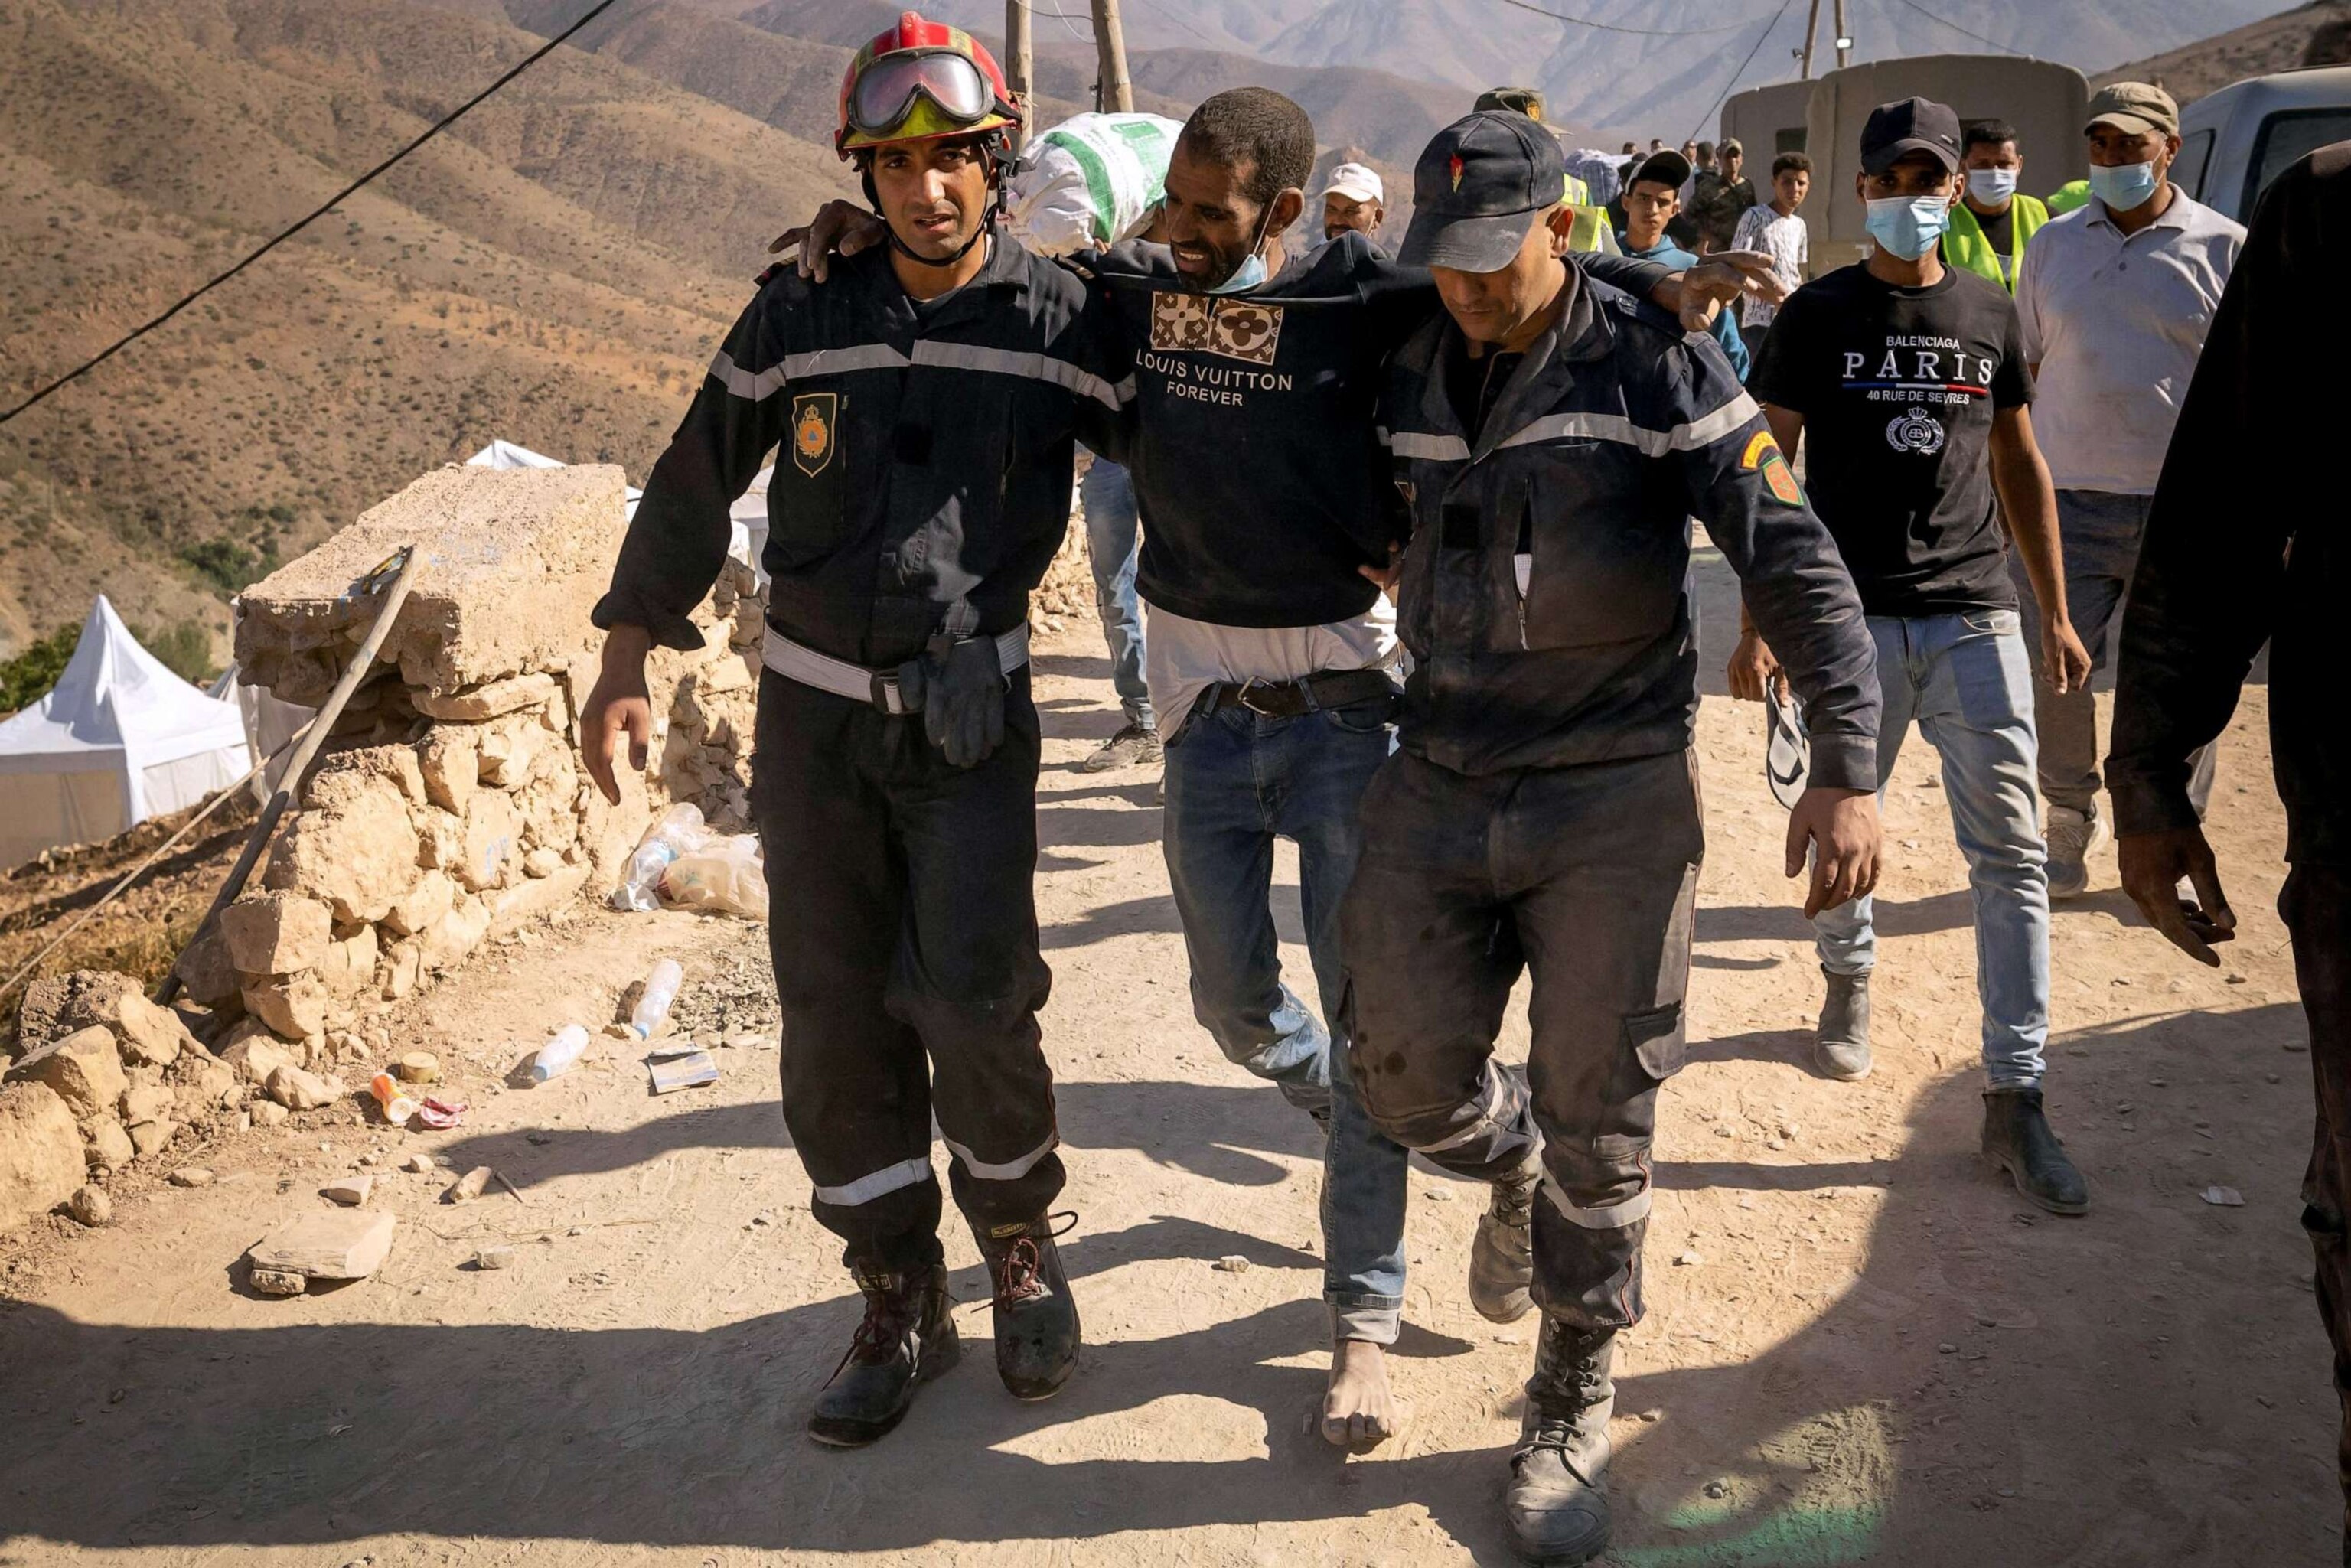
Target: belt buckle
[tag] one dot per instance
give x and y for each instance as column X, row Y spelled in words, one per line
column 1247, row 700
column 885, row 695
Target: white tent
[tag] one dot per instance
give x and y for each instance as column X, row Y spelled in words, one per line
column 120, row 739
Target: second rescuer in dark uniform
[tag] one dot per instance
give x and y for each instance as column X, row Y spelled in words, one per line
column 1553, row 437
column 923, row 400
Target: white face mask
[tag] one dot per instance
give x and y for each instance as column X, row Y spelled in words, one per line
column 1991, row 186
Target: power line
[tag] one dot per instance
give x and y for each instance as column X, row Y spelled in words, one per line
column 333, row 201
column 1955, row 28
column 1067, row 26
column 1741, row 71
column 1635, row 32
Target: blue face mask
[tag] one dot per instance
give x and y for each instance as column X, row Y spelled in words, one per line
column 1991, row 186
column 2132, row 185
column 1250, row 273
column 1908, row 226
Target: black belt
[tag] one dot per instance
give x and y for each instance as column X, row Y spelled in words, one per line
column 1288, row 699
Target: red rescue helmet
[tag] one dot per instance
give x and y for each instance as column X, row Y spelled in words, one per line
column 922, row 81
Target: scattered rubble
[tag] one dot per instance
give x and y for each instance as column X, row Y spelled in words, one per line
column 500, row 1256
column 326, row 1244
column 192, row 1176
column 40, row 1155
column 350, row 1192
column 470, row 1185
column 89, row 1205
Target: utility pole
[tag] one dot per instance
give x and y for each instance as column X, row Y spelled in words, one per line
column 1812, row 26
column 1116, row 91
column 1020, row 63
column 1843, row 38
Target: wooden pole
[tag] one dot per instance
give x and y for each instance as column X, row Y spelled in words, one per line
column 1020, row 63
column 1844, row 53
column 409, row 561
column 1812, row 26
column 1117, row 91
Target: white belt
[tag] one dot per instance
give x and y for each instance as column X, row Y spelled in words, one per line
column 858, row 684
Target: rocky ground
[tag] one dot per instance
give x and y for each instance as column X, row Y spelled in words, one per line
column 1861, row 1346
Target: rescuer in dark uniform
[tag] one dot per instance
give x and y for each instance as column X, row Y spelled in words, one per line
column 925, row 400
column 1552, row 435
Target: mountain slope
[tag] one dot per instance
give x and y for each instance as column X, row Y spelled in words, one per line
column 553, row 270
column 2273, row 44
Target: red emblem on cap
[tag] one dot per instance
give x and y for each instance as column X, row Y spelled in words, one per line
column 1456, row 171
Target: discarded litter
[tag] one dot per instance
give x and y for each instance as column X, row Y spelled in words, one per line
column 441, row 1114
column 559, row 1055
column 682, row 864
column 691, row 1070
column 494, row 1258
column 660, row 989
column 2221, row 1197
column 396, row 1106
column 418, row 1067
column 680, row 828
column 1232, row 1263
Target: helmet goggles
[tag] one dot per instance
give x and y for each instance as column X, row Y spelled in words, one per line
column 887, row 91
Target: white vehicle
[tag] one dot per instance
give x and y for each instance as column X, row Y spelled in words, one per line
column 2233, row 142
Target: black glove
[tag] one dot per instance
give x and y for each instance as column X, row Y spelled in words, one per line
column 959, row 689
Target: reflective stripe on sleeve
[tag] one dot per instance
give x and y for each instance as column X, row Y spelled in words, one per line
column 1011, row 1170
column 1732, row 416
column 841, row 362
column 752, row 387
column 1033, row 367
column 876, row 1184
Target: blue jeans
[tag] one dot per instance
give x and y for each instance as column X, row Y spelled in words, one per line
column 1113, row 542
column 1965, row 680
column 2100, row 533
column 1235, row 781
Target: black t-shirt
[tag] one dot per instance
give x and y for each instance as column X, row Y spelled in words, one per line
column 1898, row 387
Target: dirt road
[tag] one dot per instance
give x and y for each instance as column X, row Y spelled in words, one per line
column 1861, row 1348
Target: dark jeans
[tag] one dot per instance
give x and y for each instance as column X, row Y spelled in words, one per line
column 904, row 931
column 1587, row 877
column 1237, row 780
column 2316, row 905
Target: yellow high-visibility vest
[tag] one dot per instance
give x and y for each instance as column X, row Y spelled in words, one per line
column 1966, row 246
column 1578, row 194
column 1592, row 230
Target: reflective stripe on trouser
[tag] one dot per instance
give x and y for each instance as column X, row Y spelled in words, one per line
column 903, row 933
column 1586, row 877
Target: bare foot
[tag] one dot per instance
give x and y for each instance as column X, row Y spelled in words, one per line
column 1359, row 1413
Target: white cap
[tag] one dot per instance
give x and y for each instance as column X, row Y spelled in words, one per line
column 1356, row 183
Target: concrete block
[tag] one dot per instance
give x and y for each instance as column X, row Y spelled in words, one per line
column 493, row 700
column 276, row 932
column 85, row 1072
column 41, row 1163
column 514, row 559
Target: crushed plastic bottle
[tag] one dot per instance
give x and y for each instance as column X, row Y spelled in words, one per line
column 660, row 989
column 396, row 1105
column 558, row 1055
column 680, row 832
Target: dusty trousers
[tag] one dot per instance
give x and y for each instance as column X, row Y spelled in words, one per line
column 903, row 929
column 2316, row 905
column 1585, row 876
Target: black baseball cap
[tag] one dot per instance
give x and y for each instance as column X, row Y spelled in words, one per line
column 1911, row 125
column 1480, row 185
column 1667, row 168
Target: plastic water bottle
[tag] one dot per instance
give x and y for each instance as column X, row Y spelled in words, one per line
column 397, row 1106
column 680, row 830
column 660, row 989
column 558, row 1055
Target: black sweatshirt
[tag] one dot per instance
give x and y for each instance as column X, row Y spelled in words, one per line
column 2245, row 541
column 1252, row 438
column 926, row 453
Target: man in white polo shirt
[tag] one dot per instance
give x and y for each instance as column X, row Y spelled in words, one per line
column 2114, row 300
column 1355, row 199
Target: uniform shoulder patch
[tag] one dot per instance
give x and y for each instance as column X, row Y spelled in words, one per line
column 814, row 416
column 1765, row 459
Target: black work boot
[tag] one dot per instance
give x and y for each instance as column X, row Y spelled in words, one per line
column 2016, row 1136
column 1036, row 1317
column 1558, row 1500
column 908, row 1338
column 1502, row 1258
column 1841, row 1050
